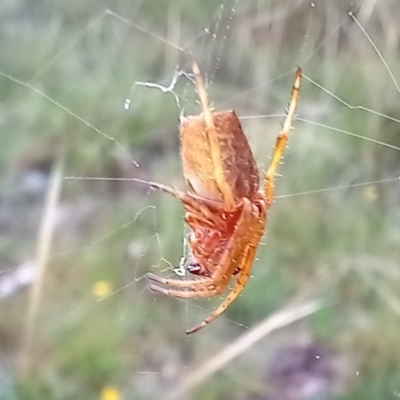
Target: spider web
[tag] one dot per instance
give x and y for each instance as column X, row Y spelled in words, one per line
column 94, row 94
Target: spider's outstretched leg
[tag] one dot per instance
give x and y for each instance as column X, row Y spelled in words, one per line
column 194, row 284
column 194, row 204
column 240, row 256
column 223, row 185
column 244, row 275
column 282, row 141
column 189, row 293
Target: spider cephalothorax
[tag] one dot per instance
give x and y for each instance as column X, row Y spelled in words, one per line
column 225, row 208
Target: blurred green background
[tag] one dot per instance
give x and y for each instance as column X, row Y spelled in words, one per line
column 68, row 90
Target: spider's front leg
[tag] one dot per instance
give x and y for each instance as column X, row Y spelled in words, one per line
column 189, row 292
column 282, row 140
column 207, row 254
column 239, row 256
column 194, row 284
column 244, row 274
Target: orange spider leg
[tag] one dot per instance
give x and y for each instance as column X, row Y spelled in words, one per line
column 202, row 282
column 238, row 260
column 194, row 204
column 216, row 156
column 197, row 287
column 215, row 283
column 217, row 279
column 282, row 140
column 186, row 197
column 244, row 275
column 198, row 220
column 244, row 260
column 185, row 294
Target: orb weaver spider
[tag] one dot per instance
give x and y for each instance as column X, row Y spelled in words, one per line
column 225, row 208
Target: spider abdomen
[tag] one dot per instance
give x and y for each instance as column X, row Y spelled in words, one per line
column 238, row 164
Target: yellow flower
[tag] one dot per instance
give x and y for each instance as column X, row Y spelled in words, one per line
column 102, row 288
column 371, row 193
column 110, row 393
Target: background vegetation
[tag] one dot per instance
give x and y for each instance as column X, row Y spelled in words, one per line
column 97, row 331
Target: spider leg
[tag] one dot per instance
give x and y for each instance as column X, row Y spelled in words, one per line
column 244, row 275
column 194, row 220
column 193, row 204
column 194, row 201
column 240, row 255
column 220, row 276
column 282, row 141
column 186, row 294
column 224, row 270
column 162, row 187
column 189, row 283
column 199, row 209
column 216, row 156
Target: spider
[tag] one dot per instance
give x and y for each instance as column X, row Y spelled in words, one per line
column 225, row 208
